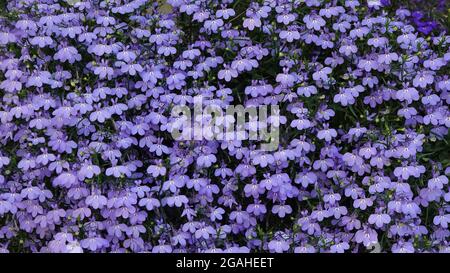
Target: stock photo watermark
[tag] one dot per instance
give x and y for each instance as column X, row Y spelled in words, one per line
column 210, row 121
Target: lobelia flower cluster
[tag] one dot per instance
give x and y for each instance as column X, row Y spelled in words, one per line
column 88, row 164
column 419, row 16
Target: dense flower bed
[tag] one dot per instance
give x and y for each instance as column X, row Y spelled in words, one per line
column 88, row 162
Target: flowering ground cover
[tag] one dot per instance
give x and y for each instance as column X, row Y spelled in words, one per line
column 89, row 161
